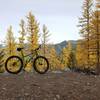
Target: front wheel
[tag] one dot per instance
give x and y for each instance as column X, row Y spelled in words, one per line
column 13, row 64
column 41, row 64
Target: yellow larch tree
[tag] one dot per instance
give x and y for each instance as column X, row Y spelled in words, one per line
column 45, row 40
column 81, row 55
column 71, row 56
column 2, row 58
column 84, row 24
column 95, row 38
column 22, row 33
column 10, row 48
column 53, row 60
column 33, row 35
column 32, row 31
column 64, row 56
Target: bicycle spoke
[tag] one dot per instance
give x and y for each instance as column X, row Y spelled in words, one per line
column 13, row 64
column 41, row 64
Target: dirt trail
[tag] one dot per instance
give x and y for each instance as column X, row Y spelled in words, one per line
column 50, row 86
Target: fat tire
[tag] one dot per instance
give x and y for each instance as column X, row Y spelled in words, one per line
column 15, row 72
column 35, row 67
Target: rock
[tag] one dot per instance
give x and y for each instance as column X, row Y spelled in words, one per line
column 58, row 96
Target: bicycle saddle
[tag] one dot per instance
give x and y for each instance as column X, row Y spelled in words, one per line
column 19, row 49
column 38, row 48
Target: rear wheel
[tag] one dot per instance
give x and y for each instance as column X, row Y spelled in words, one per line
column 14, row 64
column 41, row 64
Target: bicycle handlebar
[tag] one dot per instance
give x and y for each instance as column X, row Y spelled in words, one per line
column 19, row 49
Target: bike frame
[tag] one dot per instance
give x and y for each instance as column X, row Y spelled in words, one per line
column 24, row 59
column 31, row 58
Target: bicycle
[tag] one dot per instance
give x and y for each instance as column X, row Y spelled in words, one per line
column 14, row 64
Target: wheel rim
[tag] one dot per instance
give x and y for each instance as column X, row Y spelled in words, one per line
column 41, row 65
column 13, row 65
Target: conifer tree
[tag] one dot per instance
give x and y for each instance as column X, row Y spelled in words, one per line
column 2, row 69
column 98, row 35
column 84, row 24
column 71, row 61
column 32, row 35
column 53, row 60
column 10, row 43
column 22, row 33
column 95, row 36
column 45, row 40
column 67, row 56
column 81, row 55
column 71, row 56
column 64, row 57
column 33, row 30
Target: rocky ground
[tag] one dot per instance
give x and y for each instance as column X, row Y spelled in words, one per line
column 50, row 86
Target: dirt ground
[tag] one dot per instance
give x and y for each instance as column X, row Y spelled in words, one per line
column 50, row 86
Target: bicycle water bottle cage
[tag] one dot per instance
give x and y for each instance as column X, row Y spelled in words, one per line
column 19, row 49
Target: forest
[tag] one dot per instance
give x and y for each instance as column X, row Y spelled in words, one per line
column 84, row 57
column 71, row 68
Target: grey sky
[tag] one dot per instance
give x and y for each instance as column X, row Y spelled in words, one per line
column 60, row 16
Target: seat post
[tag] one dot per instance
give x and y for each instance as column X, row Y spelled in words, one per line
column 22, row 54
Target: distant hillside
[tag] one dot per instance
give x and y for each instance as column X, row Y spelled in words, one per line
column 58, row 47
column 1, row 45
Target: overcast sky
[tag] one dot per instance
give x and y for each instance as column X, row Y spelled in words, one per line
column 60, row 16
